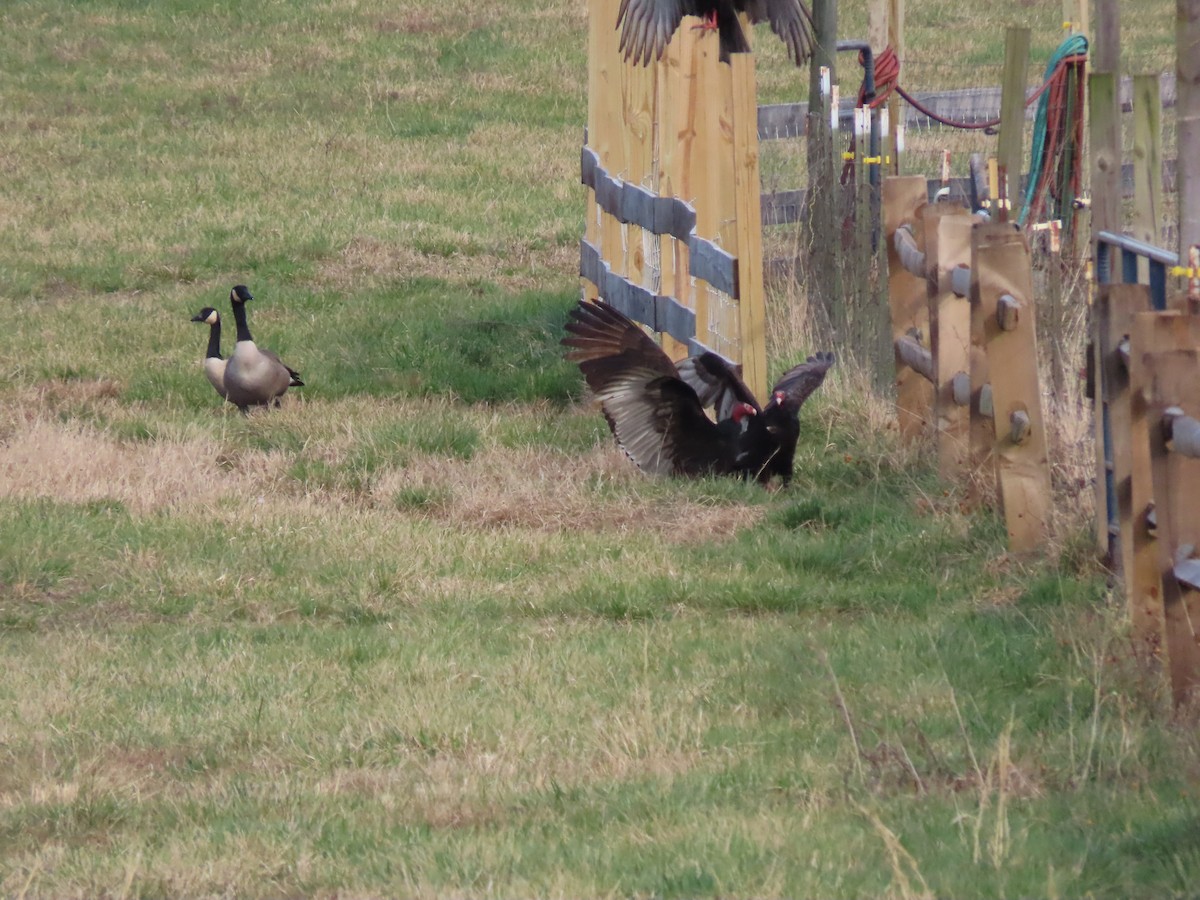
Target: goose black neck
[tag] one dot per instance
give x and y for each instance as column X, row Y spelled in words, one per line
column 239, row 316
column 214, row 340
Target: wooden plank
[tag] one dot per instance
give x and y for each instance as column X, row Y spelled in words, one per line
column 1105, row 143
column 1147, row 165
column 1106, row 42
column 1169, row 346
column 1187, row 119
column 904, row 202
column 596, row 16
column 703, row 107
column 1012, row 113
column 948, row 245
column 981, row 458
column 1143, row 578
column 677, row 133
column 637, row 115
column 1119, row 304
column 1000, row 255
column 609, row 142
column 748, row 218
column 723, row 325
column 897, row 108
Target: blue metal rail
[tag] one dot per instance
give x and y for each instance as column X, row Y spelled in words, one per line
column 1108, row 246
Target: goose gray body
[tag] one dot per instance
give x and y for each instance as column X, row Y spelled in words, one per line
column 254, row 376
column 214, row 363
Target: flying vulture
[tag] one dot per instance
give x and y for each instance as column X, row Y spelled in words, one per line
column 656, row 410
column 647, row 25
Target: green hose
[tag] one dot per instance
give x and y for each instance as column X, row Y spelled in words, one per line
column 1074, row 45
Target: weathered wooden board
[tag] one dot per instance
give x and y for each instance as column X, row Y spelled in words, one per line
column 904, row 203
column 1166, row 346
column 1001, row 266
column 947, row 246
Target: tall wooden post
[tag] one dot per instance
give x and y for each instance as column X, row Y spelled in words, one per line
column 825, row 283
column 895, row 104
column 1147, row 163
column 1187, row 117
column 1010, row 152
column 1104, row 117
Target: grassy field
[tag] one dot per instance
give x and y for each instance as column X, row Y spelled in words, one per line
column 423, row 631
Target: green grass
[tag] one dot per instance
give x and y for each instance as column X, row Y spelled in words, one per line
column 423, row 631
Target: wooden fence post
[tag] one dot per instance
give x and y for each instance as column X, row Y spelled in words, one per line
column 1105, row 149
column 1004, row 281
column 1168, row 347
column 904, row 198
column 1187, row 118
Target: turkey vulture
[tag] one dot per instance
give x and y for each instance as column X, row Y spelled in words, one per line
column 649, row 25
column 656, row 409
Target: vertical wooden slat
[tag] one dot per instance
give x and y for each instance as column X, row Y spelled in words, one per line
column 1105, row 149
column 1011, row 145
column 948, row 244
column 904, row 199
column 1120, row 303
column 748, row 213
column 722, row 314
column 1147, row 165
column 1169, row 346
column 677, row 130
column 610, row 143
column 981, row 484
column 597, row 15
column 1187, row 118
column 637, row 116
column 708, row 170
column 1000, row 255
column 1143, row 578
column 895, row 104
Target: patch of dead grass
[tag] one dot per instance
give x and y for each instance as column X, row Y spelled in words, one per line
column 74, row 463
column 531, row 489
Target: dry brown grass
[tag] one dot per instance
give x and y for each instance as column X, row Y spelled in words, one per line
column 529, row 489
column 521, row 489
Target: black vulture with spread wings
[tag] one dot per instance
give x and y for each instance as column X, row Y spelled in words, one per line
column 656, row 410
column 647, row 25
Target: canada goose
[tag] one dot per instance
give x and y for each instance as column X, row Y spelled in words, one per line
column 253, row 377
column 214, row 364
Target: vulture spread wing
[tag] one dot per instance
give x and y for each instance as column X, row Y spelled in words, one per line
column 791, row 20
column 797, row 383
column 648, row 25
column 655, row 416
